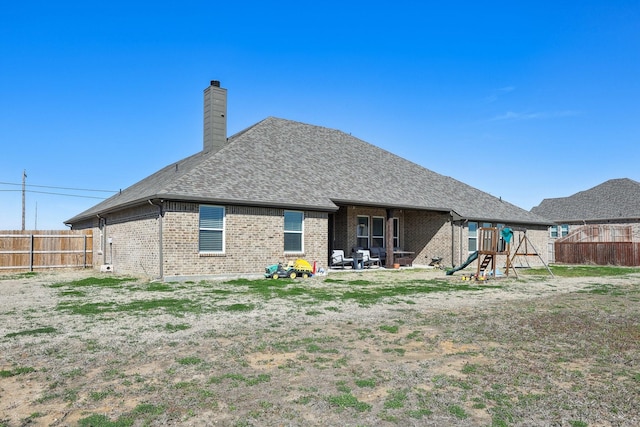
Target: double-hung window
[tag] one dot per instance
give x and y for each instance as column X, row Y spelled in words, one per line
column 211, row 229
column 559, row 231
column 362, row 232
column 473, row 236
column 377, row 231
column 396, row 233
column 293, row 231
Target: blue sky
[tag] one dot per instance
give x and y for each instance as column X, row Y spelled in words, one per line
column 524, row 100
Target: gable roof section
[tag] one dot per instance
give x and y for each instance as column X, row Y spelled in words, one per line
column 288, row 164
column 613, row 199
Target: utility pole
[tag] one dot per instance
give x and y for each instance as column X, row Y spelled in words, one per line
column 24, row 178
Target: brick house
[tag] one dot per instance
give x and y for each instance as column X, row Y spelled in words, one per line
column 610, row 210
column 281, row 190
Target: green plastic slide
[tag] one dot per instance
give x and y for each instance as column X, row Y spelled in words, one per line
column 470, row 259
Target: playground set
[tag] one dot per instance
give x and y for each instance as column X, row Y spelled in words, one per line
column 492, row 243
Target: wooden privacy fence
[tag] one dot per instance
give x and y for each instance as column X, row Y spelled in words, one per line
column 598, row 253
column 41, row 249
column 603, row 233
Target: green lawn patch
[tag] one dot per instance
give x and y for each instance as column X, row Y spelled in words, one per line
column 102, row 282
column 29, row 332
column 170, row 305
column 16, row 371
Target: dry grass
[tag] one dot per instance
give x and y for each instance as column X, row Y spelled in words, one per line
column 365, row 349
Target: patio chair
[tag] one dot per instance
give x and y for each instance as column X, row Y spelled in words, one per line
column 339, row 260
column 378, row 252
column 367, row 259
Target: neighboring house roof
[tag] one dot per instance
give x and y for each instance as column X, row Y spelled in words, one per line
column 613, row 199
column 283, row 163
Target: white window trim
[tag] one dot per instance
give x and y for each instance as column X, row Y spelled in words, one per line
column 223, row 229
column 396, row 227
column 384, row 226
column 301, row 232
column 363, row 236
column 473, row 237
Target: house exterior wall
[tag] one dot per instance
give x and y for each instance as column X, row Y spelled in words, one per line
column 347, row 222
column 254, row 239
column 426, row 233
column 341, row 237
column 352, row 223
column 429, row 235
column 129, row 241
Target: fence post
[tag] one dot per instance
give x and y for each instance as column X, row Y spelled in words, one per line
column 84, row 262
column 31, row 253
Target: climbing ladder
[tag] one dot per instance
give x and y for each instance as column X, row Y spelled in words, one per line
column 482, row 267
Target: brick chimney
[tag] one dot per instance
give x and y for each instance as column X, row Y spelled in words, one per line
column 215, row 117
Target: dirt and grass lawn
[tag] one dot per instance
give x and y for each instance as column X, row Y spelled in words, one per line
column 375, row 348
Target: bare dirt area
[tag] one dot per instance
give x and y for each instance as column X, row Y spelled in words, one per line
column 374, row 348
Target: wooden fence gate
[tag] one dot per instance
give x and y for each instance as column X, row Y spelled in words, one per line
column 42, row 249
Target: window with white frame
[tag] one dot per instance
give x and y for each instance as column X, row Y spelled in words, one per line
column 473, row 236
column 501, row 243
column 396, row 233
column 362, row 232
column 211, row 238
column 557, row 231
column 377, row 231
column 293, row 231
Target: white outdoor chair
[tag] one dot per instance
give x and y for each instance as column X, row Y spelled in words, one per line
column 339, row 260
column 367, row 259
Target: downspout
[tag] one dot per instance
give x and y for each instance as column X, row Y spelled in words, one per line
column 102, row 227
column 160, row 253
column 461, row 241
column 453, row 239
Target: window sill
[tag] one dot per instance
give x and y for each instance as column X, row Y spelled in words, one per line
column 211, row 254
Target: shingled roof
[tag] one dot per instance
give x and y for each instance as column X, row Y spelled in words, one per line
column 611, row 200
column 287, row 164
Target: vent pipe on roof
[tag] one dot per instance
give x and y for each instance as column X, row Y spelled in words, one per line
column 215, row 117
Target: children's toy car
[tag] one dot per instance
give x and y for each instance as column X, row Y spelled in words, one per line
column 276, row 271
column 299, row 268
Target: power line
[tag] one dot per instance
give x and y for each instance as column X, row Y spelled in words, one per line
column 59, row 194
column 68, row 195
column 61, row 188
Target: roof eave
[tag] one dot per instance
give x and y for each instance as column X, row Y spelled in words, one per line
column 388, row 205
column 328, row 207
column 556, row 221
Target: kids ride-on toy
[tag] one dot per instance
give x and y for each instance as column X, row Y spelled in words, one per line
column 299, row 268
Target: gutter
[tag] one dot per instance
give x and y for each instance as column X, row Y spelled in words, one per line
column 329, row 207
column 160, row 253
